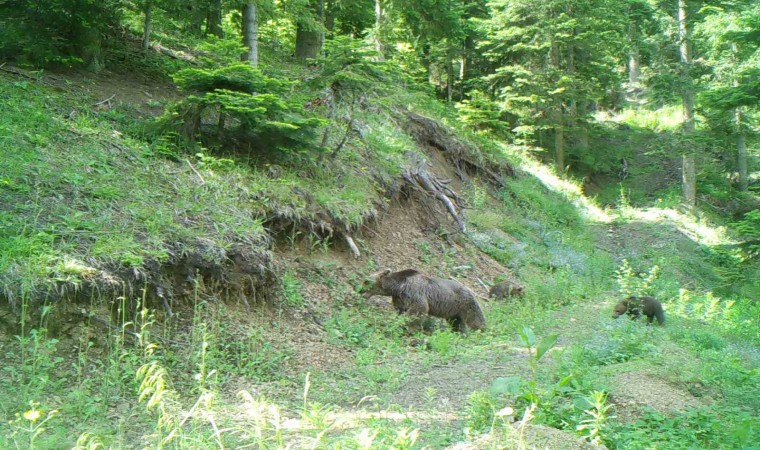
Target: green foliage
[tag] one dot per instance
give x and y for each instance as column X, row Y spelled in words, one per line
column 483, row 115
column 635, row 284
column 700, row 428
column 57, row 32
column 624, row 343
column 480, row 411
column 350, row 68
column 349, row 329
column 749, row 227
column 291, row 286
column 239, row 100
column 593, row 427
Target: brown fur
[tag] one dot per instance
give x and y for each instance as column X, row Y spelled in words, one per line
column 417, row 294
column 635, row 306
column 506, row 289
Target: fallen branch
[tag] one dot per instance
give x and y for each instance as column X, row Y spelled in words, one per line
column 108, row 100
column 174, row 54
column 485, row 286
column 196, row 172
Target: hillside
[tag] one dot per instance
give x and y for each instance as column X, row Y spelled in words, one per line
column 158, row 298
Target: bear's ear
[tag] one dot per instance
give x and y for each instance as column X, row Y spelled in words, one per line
column 386, row 271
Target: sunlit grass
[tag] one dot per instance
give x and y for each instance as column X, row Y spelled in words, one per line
column 667, row 118
column 570, row 189
column 699, row 231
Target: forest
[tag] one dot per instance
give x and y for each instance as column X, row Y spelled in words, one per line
column 379, row 224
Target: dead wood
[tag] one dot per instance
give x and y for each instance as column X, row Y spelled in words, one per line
column 175, row 54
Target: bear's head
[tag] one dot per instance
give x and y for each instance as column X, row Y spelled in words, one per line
column 373, row 284
column 620, row 309
column 517, row 290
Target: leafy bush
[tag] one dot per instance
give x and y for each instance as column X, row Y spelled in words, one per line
column 349, row 66
column 239, row 101
column 749, row 227
column 701, row 428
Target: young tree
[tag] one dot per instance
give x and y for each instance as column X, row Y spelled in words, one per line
column 214, row 18
column 147, row 23
column 732, row 100
column 552, row 60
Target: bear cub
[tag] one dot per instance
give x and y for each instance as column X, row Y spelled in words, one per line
column 506, row 289
column 635, row 306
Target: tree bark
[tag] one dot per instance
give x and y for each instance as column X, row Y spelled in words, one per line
column 251, row 32
column 634, row 56
column 147, row 24
column 689, row 177
column 379, row 18
column 91, row 50
column 449, row 77
column 741, row 152
column 329, row 16
column 214, row 19
column 559, row 131
column 309, row 42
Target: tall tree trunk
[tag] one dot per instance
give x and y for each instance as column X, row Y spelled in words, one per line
column 214, row 18
column 309, row 42
column 741, row 151
column 147, row 24
column 379, row 19
column 689, row 170
column 251, row 32
column 559, row 131
column 559, row 144
column 741, row 137
column 468, row 45
column 90, row 48
column 330, row 16
column 449, row 76
column 634, row 56
column 427, row 62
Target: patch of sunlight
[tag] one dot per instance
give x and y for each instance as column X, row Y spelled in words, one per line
column 569, row 189
column 665, row 118
column 699, row 231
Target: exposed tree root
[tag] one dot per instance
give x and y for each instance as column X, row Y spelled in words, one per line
column 465, row 157
column 352, row 245
column 417, row 177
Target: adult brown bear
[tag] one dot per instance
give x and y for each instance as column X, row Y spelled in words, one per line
column 417, row 294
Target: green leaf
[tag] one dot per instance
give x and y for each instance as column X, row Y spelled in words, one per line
column 527, row 336
column 546, row 343
column 506, row 385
